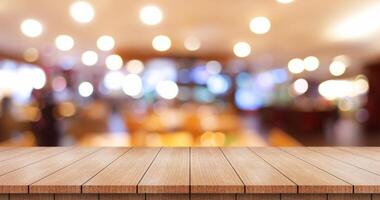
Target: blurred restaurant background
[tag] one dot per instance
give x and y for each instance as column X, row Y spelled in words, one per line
column 189, row 73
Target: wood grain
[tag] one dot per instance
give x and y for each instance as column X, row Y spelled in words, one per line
column 304, row 197
column 31, row 197
column 362, row 180
column 4, row 197
column 19, row 180
column 213, row 196
column 76, row 197
column 122, row 197
column 123, row 175
column 23, row 160
column 167, row 196
column 376, row 197
column 258, row 197
column 257, row 175
column 169, row 173
column 309, row 178
column 351, row 158
column 363, row 152
column 349, row 197
column 211, row 172
column 71, row 178
column 8, row 153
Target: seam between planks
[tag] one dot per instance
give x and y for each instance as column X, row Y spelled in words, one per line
column 358, row 154
column 241, row 180
column 21, row 154
column 81, row 187
column 150, row 164
column 63, row 168
column 320, row 169
column 279, row 171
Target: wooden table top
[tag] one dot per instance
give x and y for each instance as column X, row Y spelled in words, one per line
column 262, row 170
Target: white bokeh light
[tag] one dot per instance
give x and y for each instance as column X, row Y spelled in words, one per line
column 337, row 68
column 89, row 58
column 82, row 11
column 192, row 43
column 284, row 1
column 300, row 86
column 311, row 63
column 64, row 42
column 151, row 15
column 31, row 28
column 161, row 43
column 132, row 85
column 113, row 80
column 135, row 66
column 167, row 89
column 260, row 25
column 296, row 66
column 85, row 89
column 242, row 49
column 114, row 62
column 105, row 43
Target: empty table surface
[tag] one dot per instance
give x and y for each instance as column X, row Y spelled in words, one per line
column 195, row 170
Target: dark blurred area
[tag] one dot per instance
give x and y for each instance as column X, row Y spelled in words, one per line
column 165, row 73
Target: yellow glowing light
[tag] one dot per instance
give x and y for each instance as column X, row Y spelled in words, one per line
column 66, row 109
column 135, row 66
column 300, row 86
column 89, row 58
column 242, row 49
column 105, row 43
column 284, row 1
column 114, row 62
column 358, row 26
column 337, row 68
column 296, row 66
column 31, row 28
column 82, row 11
column 192, row 43
column 260, row 25
column 311, row 63
column 161, row 43
column 31, row 55
column 151, row 15
column 361, row 86
column 213, row 139
column 64, row 42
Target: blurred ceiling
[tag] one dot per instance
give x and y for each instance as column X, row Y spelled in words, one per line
column 299, row 29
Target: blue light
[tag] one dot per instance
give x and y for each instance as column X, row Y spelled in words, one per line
column 219, row 84
column 248, row 100
column 203, row 95
column 279, row 75
column 243, row 80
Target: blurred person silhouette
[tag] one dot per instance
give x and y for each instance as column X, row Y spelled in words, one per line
column 7, row 122
column 46, row 129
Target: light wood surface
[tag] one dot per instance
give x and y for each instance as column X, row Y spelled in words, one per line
column 169, row 173
column 310, row 179
column 123, row 175
column 257, row 175
column 289, row 173
column 362, row 180
column 212, row 173
column 71, row 178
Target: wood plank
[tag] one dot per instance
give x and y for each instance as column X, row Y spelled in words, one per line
column 122, row 197
column 211, row 172
column 258, row 197
column 76, row 197
column 169, row 173
column 364, row 152
column 31, row 197
column 19, row 180
column 351, row 158
column 10, row 153
column 376, row 197
column 362, row 180
column 167, row 196
column 213, row 196
column 23, row 160
column 123, row 175
column 71, row 178
column 349, row 197
column 4, row 196
column 257, row 175
column 304, row 197
column 309, row 178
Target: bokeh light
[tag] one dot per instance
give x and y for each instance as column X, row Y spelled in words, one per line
column 31, row 55
column 82, row 11
column 242, row 49
column 135, row 66
column 337, row 68
column 192, row 43
column 105, row 43
column 167, row 89
column 161, row 43
column 114, row 62
column 296, row 66
column 260, row 25
column 113, row 80
column 31, row 28
column 89, row 58
column 132, row 85
column 64, row 42
column 311, row 63
column 300, row 86
column 85, row 89
column 151, row 15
